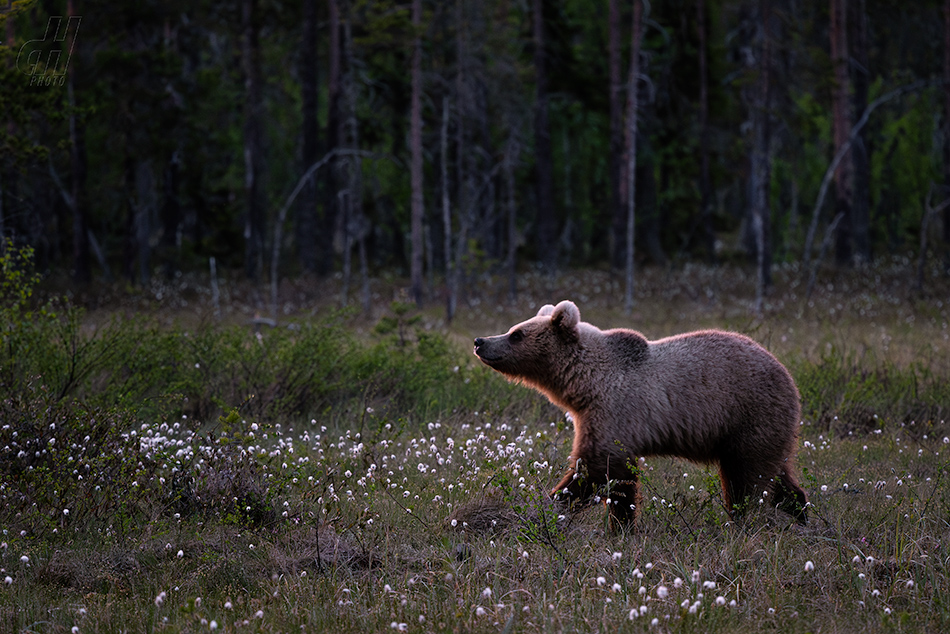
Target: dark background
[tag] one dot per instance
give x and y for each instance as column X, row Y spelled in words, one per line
column 178, row 131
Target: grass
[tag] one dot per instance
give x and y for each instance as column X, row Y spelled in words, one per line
column 380, row 479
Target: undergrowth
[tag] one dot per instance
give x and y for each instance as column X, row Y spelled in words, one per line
column 306, row 478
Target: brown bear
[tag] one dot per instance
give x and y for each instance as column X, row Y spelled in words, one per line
column 707, row 396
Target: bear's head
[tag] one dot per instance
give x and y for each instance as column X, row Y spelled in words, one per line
column 529, row 351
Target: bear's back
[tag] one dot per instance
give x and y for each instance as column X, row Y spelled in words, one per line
column 703, row 386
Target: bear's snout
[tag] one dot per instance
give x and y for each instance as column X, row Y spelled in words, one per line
column 486, row 349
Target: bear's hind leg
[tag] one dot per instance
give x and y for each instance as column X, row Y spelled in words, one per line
column 624, row 501
column 789, row 496
column 741, row 486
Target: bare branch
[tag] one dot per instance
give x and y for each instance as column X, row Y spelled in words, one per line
column 829, row 173
column 282, row 215
column 929, row 213
column 67, row 197
column 829, row 233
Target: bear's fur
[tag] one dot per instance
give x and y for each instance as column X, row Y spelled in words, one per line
column 707, row 396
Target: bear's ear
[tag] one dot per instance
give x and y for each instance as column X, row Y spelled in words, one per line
column 546, row 310
column 566, row 316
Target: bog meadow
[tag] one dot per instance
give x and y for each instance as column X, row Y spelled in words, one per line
column 171, row 466
column 245, row 247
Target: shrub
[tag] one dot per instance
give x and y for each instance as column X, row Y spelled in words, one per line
column 844, row 394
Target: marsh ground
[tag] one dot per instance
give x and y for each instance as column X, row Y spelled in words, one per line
column 380, row 478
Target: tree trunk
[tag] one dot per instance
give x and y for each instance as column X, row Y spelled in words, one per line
column 617, row 211
column 761, row 163
column 6, row 170
column 355, row 223
column 547, row 236
column 632, row 150
column 946, row 132
column 841, row 120
column 253, row 187
column 511, row 153
column 306, row 224
column 461, row 150
column 144, row 204
column 130, row 244
column 366, row 297
column 647, row 201
column 331, row 204
column 171, row 214
column 860, row 204
column 648, row 209
column 705, row 183
column 446, row 213
column 930, row 212
column 82, row 271
column 347, row 239
column 415, row 143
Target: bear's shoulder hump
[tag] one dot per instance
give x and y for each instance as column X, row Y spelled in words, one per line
column 628, row 345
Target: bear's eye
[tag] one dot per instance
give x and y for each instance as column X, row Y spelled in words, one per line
column 516, row 336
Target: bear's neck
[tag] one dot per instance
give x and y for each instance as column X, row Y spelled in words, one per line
column 568, row 386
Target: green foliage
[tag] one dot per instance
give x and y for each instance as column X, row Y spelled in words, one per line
column 902, row 172
column 17, row 281
column 298, row 372
column 847, row 394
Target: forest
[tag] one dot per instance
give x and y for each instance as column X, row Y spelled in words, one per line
column 440, row 141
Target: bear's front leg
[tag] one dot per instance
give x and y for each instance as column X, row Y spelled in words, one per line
column 574, row 487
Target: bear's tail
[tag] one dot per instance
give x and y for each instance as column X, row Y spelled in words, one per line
column 790, row 497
